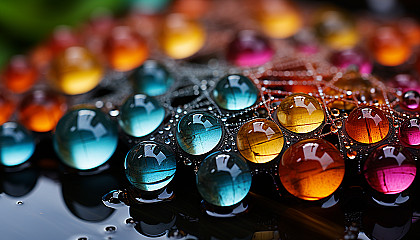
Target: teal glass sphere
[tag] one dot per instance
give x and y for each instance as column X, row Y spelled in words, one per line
column 85, row 138
column 151, row 78
column 16, row 144
column 140, row 115
column 235, row 92
column 150, row 166
column 198, row 132
column 223, row 179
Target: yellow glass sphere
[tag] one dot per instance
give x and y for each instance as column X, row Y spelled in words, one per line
column 181, row 38
column 300, row 113
column 279, row 19
column 260, row 140
column 75, row 71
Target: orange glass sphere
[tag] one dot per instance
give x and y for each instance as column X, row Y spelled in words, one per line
column 278, row 19
column 75, row 71
column 260, row 140
column 389, row 47
column 180, row 37
column 19, row 75
column 125, row 49
column 7, row 107
column 191, row 8
column 40, row 111
column 367, row 125
column 311, row 169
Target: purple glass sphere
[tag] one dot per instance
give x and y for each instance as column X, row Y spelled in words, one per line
column 410, row 100
column 409, row 133
column 352, row 57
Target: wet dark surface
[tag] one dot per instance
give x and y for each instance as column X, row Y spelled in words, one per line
column 46, row 200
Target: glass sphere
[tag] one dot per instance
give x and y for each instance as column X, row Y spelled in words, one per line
column 352, row 57
column 409, row 133
column 19, row 75
column 125, row 49
column 198, row 132
column 40, row 110
column 180, row 37
column 311, row 169
column 16, row 144
column 75, row 71
column 235, row 92
column 390, row 169
column 260, row 140
column 152, row 79
column 410, row 100
column 85, row 138
column 140, row 115
column 7, row 107
column 300, row 113
column 248, row 49
column 150, row 166
column 278, row 19
column 367, row 125
column 223, row 179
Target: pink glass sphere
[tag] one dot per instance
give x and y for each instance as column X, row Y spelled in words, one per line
column 352, row 57
column 390, row 169
column 409, row 133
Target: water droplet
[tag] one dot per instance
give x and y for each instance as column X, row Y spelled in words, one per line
column 167, row 127
column 224, row 119
column 170, row 134
column 227, row 148
column 82, row 238
column 19, row 203
column 334, row 128
column 114, row 198
column 160, row 132
column 179, row 110
column 339, row 124
column 114, row 113
column 335, row 112
column 351, row 154
column 187, row 162
column 167, row 140
column 110, row 229
column 130, row 221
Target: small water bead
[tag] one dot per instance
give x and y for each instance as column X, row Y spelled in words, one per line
column 181, row 37
column 40, row 110
column 351, row 154
column 198, row 132
column 300, row 113
column 19, row 75
column 367, row 125
column 278, row 19
column 110, row 229
column 260, row 140
column 248, row 49
column 409, row 132
column 140, row 115
column 223, row 179
column 75, row 71
column 352, row 57
column 150, row 166
column 311, row 169
column 125, row 49
column 235, row 92
column 16, row 144
column 411, row 100
column 85, row 138
column 7, row 107
column 152, row 78
column 390, row 169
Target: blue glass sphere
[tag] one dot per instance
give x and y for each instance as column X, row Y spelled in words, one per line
column 198, row 132
column 235, row 92
column 150, row 166
column 16, row 144
column 223, row 179
column 140, row 115
column 85, row 138
column 152, row 79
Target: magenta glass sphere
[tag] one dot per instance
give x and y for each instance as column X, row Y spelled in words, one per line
column 390, row 169
column 352, row 57
column 409, row 133
column 410, row 100
column 249, row 49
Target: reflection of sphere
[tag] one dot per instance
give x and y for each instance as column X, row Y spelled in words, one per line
column 198, row 132
column 260, row 140
column 18, row 184
column 83, row 195
column 300, row 113
column 235, row 92
column 85, row 138
column 152, row 78
column 140, row 115
column 311, row 169
column 390, row 169
column 16, row 144
column 154, row 219
column 223, row 179
column 150, row 166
